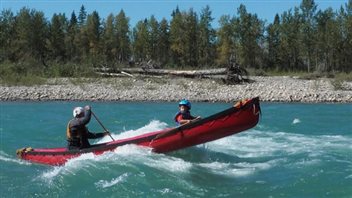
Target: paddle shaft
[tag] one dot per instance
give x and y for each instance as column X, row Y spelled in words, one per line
column 102, row 126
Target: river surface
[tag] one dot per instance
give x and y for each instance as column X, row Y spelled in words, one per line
column 296, row 150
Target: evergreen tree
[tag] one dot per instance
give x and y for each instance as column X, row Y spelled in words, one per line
column 82, row 16
column 289, row 50
column 93, row 34
column 250, row 33
column 308, row 9
column 177, row 43
column 23, row 34
column 273, row 40
column 163, row 49
column 7, row 21
column 30, row 31
column 191, row 39
column 110, row 40
column 206, row 38
column 326, row 40
column 346, row 57
column 71, row 38
column 140, row 41
column 153, row 34
column 225, row 42
column 57, row 37
column 123, row 39
column 300, row 39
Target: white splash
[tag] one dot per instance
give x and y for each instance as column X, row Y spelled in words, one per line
column 144, row 155
column 106, row 184
column 247, row 145
column 48, row 175
column 165, row 191
column 70, row 168
column 227, row 169
column 258, row 144
column 7, row 158
column 154, row 125
column 121, row 156
column 170, row 164
column 296, row 121
column 240, row 169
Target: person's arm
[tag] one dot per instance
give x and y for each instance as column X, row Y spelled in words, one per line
column 182, row 122
column 197, row 118
column 91, row 135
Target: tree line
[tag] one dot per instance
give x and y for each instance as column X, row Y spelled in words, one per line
column 300, row 39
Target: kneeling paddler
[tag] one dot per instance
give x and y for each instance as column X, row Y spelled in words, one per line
column 77, row 132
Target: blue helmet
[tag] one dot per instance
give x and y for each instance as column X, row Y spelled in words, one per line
column 185, row 102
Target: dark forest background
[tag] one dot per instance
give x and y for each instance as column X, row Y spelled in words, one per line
column 302, row 39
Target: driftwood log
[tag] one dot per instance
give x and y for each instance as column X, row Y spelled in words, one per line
column 161, row 72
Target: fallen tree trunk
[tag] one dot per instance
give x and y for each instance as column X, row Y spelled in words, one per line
column 183, row 73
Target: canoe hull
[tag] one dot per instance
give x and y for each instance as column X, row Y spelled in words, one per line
column 231, row 121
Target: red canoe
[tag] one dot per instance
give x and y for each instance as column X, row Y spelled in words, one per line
column 242, row 116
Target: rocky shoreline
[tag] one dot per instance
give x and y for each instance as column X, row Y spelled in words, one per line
column 270, row 89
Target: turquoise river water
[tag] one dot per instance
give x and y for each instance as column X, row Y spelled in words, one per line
column 296, row 150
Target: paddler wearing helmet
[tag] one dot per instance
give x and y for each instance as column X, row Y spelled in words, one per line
column 183, row 116
column 77, row 133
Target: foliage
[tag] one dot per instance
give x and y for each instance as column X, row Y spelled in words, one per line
column 302, row 39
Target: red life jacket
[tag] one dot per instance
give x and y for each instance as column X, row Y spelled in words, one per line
column 185, row 116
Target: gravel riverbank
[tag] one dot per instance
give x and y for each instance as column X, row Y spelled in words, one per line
column 271, row 89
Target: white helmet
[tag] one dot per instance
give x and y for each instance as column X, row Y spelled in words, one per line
column 77, row 111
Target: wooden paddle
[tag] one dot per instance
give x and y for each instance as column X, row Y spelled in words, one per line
column 102, row 126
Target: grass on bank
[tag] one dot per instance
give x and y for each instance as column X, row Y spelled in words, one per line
column 19, row 75
column 25, row 74
column 304, row 75
column 337, row 79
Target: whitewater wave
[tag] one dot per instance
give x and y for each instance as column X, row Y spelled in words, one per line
column 106, row 184
column 154, row 125
column 256, row 144
column 7, row 158
column 244, row 154
column 124, row 156
column 296, row 121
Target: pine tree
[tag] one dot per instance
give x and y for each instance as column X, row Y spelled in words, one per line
column 250, row 34
column 93, row 34
column 177, row 43
column 191, row 39
column 71, row 38
column 140, row 41
column 153, row 34
column 225, row 44
column 163, row 49
column 30, row 33
column 206, row 38
column 308, row 9
column 7, row 21
column 273, row 40
column 82, row 16
column 346, row 61
column 109, row 38
column 123, row 39
column 326, row 40
column 290, row 43
column 57, row 37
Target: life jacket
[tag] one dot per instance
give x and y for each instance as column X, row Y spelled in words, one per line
column 73, row 135
column 185, row 116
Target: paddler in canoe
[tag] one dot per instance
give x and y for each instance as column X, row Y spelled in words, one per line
column 183, row 116
column 77, row 133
